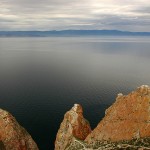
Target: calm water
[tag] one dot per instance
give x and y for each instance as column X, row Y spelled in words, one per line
column 41, row 78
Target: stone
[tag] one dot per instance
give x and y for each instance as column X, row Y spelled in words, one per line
column 74, row 126
column 12, row 135
column 128, row 118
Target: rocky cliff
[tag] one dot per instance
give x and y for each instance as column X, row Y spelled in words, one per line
column 12, row 135
column 128, row 118
column 74, row 126
column 126, row 125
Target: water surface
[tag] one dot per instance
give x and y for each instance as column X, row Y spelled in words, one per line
column 41, row 78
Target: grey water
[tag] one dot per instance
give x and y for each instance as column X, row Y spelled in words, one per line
column 41, row 78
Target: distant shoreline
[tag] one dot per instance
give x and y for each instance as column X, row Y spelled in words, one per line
column 70, row 33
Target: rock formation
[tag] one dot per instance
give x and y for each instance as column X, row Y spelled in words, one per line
column 126, row 125
column 74, row 126
column 128, row 118
column 12, row 135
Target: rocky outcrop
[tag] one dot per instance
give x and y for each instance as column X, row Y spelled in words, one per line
column 12, row 135
column 74, row 126
column 126, row 125
column 128, row 118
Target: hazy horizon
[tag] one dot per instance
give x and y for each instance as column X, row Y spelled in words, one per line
column 72, row 30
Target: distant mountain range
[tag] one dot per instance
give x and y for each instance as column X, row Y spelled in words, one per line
column 71, row 33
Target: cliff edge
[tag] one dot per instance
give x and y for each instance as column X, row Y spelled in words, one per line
column 128, row 118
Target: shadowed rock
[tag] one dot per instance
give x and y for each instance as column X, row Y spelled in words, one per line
column 2, row 147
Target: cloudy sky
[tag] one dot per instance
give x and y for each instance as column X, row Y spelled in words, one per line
column 131, row 15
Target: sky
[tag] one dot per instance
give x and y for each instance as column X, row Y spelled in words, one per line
column 127, row 15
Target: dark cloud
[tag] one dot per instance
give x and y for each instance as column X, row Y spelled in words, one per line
column 145, row 9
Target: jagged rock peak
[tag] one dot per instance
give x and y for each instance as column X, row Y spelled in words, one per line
column 73, row 126
column 77, row 108
column 144, row 86
column 12, row 135
column 128, row 118
column 144, row 90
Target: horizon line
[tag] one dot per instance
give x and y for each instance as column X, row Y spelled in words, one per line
column 74, row 30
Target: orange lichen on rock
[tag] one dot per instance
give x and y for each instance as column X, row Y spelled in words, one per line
column 12, row 135
column 126, row 119
column 73, row 126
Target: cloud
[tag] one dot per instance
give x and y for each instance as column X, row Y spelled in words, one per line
column 74, row 14
column 143, row 10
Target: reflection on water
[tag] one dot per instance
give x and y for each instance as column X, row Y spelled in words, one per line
column 41, row 78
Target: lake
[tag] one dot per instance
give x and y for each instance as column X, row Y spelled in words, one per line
column 41, row 78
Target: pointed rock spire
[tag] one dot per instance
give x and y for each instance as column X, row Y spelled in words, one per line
column 73, row 126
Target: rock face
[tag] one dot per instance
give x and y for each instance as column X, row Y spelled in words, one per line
column 74, row 126
column 128, row 118
column 12, row 135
